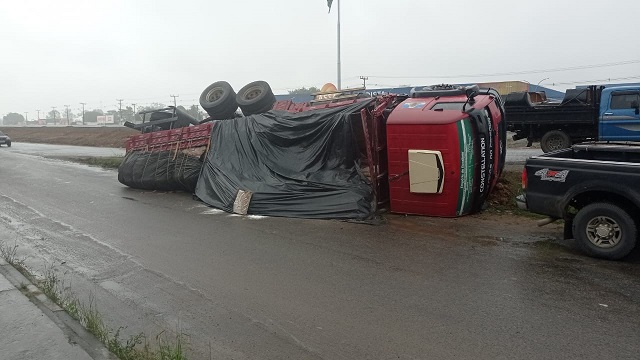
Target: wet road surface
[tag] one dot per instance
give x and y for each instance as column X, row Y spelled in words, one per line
column 49, row 150
column 514, row 156
column 277, row 288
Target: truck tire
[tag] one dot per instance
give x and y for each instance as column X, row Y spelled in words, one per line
column 555, row 140
column 8, row 143
column 255, row 98
column 219, row 100
column 605, row 230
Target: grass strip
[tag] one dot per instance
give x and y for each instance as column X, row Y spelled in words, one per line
column 137, row 347
column 107, row 162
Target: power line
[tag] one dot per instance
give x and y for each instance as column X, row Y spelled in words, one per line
column 619, row 63
column 381, row 84
column 594, row 81
column 174, row 99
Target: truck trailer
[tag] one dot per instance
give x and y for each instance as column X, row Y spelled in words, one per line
column 437, row 151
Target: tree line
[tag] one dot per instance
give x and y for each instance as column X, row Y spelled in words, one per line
column 127, row 114
column 91, row 116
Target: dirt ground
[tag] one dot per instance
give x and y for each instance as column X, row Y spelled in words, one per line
column 108, row 136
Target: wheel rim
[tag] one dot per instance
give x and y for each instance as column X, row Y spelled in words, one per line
column 252, row 93
column 215, row 94
column 555, row 142
column 604, row 232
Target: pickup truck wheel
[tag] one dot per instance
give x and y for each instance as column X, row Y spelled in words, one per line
column 555, row 140
column 605, row 230
column 219, row 100
column 8, row 143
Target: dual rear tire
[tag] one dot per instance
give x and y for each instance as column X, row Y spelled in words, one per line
column 220, row 101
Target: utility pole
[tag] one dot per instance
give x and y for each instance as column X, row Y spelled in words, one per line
column 339, row 63
column 26, row 117
column 174, row 99
column 38, row 115
column 197, row 112
column 364, row 81
column 67, row 112
column 55, row 122
column 83, row 104
column 134, row 112
column 120, row 111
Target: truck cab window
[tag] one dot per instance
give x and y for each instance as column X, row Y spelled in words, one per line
column 624, row 101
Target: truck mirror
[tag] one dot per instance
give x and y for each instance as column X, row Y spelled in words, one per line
column 635, row 105
column 471, row 92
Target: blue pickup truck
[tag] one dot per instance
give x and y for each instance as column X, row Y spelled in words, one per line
column 593, row 113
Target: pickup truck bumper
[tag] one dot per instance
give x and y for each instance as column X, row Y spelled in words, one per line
column 521, row 201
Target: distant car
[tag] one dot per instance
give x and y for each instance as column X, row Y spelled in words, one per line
column 5, row 139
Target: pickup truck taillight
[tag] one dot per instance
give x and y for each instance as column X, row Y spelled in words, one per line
column 524, row 178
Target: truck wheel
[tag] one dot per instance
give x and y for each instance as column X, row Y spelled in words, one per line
column 255, row 98
column 555, row 140
column 219, row 100
column 8, row 143
column 605, row 230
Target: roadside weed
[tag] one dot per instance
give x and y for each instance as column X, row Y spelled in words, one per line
column 136, row 347
column 10, row 255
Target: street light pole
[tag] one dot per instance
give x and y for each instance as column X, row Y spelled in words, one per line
column 538, row 85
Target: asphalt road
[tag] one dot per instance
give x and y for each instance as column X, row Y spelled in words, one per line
column 515, row 156
column 63, row 150
column 274, row 288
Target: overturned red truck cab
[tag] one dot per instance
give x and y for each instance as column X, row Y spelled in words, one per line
column 446, row 150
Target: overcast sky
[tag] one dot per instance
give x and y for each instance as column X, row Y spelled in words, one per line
column 70, row 51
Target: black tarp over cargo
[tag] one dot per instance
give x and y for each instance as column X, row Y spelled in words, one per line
column 160, row 170
column 295, row 164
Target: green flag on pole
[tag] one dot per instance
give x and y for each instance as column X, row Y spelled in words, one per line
column 329, row 2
